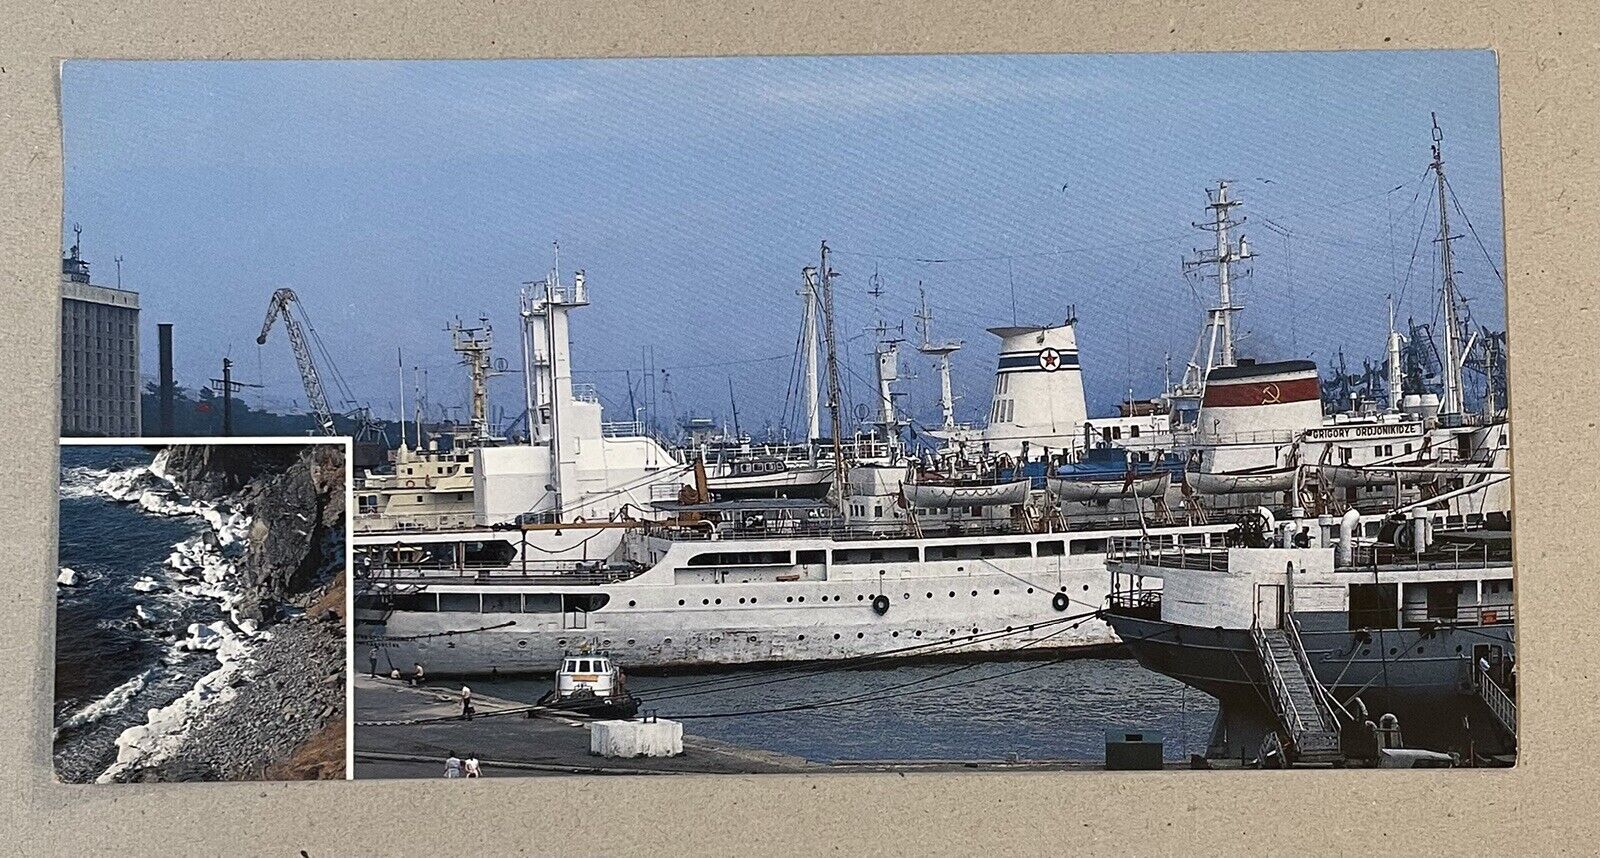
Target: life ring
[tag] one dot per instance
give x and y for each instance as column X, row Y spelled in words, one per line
column 880, row 604
column 1060, row 601
column 411, row 484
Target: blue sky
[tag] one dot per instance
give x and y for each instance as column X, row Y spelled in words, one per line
column 394, row 196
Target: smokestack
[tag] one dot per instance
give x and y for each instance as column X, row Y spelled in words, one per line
column 168, row 391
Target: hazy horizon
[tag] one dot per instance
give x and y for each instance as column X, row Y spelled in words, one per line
column 394, row 196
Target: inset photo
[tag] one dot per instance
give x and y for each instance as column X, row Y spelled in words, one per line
column 201, row 611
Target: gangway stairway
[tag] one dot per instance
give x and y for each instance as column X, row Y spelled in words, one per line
column 1500, row 703
column 1300, row 702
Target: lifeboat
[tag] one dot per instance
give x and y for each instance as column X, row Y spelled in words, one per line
column 942, row 494
column 1103, row 474
column 1242, row 482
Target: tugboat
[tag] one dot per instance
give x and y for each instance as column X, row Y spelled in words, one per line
column 591, row 684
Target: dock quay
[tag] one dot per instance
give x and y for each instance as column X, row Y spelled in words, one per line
column 407, row 732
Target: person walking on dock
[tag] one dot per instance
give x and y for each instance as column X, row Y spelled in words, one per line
column 472, row 768
column 466, row 703
column 452, row 766
column 372, row 661
column 416, row 676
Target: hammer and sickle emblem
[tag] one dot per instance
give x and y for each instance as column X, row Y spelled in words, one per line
column 1271, row 395
column 1049, row 360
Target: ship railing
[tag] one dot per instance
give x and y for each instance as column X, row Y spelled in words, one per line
column 1453, row 557
column 1459, row 615
column 621, row 429
column 1145, row 551
column 1264, row 436
column 378, row 522
column 1138, row 602
column 585, row 393
column 546, row 573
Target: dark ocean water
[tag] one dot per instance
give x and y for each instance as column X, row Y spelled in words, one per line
column 111, row 665
column 963, row 711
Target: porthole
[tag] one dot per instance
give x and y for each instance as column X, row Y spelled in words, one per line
column 680, row 603
column 802, row 598
column 1419, row 650
column 905, row 595
column 894, row 634
column 919, row 633
column 802, row 637
column 930, row 594
column 719, row 601
column 562, row 642
column 835, row 635
column 606, row 642
column 1086, row 588
column 788, row 598
column 974, row 592
column 1458, row 649
column 974, row 629
column 1030, row 590
column 522, row 644
column 859, row 635
column 632, row 603
column 705, row 601
column 666, row 640
column 741, row 600
column 1392, row 650
column 630, row 641
column 1366, row 652
column 860, row 597
column 997, row 592
column 952, row 594
column 752, row 600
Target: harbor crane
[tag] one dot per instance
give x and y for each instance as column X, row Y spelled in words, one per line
column 283, row 303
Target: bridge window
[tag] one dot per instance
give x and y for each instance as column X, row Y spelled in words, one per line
column 541, row 603
column 1051, row 548
column 1374, row 606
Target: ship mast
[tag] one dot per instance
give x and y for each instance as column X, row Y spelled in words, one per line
column 808, row 352
column 1221, row 350
column 825, row 275
column 474, row 344
column 941, row 351
column 1396, row 381
column 1454, row 352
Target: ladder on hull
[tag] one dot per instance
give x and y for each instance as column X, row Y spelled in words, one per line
column 1299, row 701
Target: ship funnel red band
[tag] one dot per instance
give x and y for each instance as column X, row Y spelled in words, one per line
column 1252, row 384
column 1242, row 393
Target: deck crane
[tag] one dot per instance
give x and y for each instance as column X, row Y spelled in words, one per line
column 281, row 303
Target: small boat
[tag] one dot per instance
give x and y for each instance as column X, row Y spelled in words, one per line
column 768, row 477
column 591, row 684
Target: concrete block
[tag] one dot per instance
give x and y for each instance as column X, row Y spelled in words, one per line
column 659, row 738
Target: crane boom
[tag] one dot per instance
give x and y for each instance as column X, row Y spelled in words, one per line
column 279, row 305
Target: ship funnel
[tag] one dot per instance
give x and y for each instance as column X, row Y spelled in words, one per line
column 1038, row 390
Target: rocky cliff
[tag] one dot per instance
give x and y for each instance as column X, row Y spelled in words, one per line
column 287, row 720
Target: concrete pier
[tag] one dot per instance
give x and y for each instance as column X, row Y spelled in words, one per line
column 406, row 732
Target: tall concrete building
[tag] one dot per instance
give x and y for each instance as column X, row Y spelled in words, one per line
column 99, row 354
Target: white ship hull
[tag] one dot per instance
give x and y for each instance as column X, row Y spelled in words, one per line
column 680, row 615
column 1238, row 483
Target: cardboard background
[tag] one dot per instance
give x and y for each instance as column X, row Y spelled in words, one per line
column 1550, row 65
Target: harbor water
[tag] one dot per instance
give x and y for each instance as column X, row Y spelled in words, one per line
column 1056, row 709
